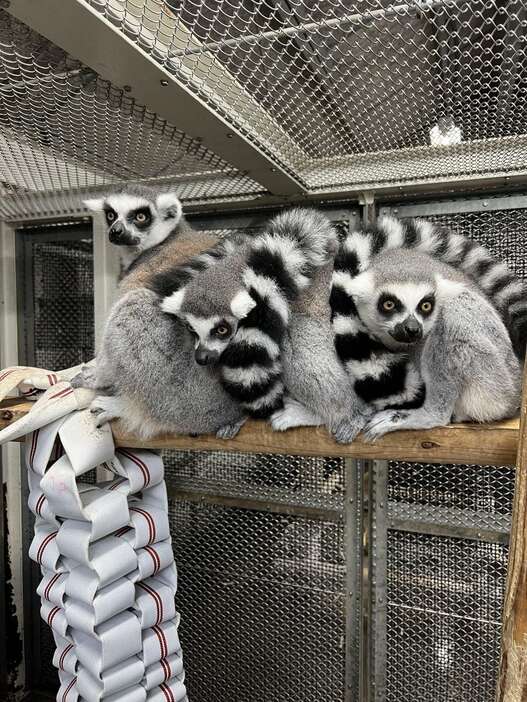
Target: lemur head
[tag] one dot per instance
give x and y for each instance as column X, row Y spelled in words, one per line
column 398, row 298
column 211, row 306
column 138, row 217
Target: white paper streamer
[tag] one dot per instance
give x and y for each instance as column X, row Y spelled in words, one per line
column 108, row 573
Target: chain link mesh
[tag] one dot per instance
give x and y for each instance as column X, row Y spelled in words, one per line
column 261, row 598
column 307, row 80
column 64, row 130
column 341, row 96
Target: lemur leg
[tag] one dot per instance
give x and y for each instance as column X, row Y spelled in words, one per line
column 229, row 431
column 107, row 407
column 294, row 414
column 87, row 378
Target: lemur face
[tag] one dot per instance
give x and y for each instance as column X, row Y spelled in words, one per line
column 136, row 221
column 211, row 334
column 405, row 311
column 398, row 313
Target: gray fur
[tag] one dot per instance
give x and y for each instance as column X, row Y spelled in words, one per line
column 145, row 374
column 318, row 390
column 147, row 361
column 314, row 378
column 466, row 358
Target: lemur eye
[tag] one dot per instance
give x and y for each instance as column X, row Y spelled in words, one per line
column 222, row 330
column 388, row 305
column 110, row 216
column 426, row 307
column 140, row 217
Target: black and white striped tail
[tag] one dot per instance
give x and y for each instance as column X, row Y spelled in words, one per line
column 281, row 262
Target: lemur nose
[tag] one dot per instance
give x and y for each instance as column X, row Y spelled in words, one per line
column 117, row 228
column 204, row 357
column 413, row 328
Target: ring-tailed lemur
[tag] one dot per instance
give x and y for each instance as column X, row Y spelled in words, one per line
column 382, row 377
column 424, row 316
column 507, row 293
column 145, row 373
column 238, row 308
column 150, row 231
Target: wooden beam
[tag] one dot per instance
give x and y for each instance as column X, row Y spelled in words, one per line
column 512, row 681
column 493, row 444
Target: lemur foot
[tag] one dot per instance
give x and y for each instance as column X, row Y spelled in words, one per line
column 105, row 408
column 229, row 431
column 85, row 379
column 347, row 430
column 294, row 414
column 384, row 422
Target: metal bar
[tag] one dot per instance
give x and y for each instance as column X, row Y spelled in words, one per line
column 259, row 505
column 12, row 474
column 353, row 599
column 419, row 527
column 367, row 583
column 361, row 18
column 379, row 563
column 259, row 218
column 86, row 34
column 486, row 204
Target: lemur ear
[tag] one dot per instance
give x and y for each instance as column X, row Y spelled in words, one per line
column 94, row 205
column 172, row 303
column 241, row 304
column 362, row 286
column 169, row 206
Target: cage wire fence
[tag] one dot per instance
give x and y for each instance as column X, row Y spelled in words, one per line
column 342, row 98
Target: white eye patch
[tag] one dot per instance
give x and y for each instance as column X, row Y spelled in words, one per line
column 241, row 304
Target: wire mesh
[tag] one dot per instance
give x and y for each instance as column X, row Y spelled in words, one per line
column 502, row 231
column 262, row 604
column 372, row 92
column 59, row 333
column 445, row 599
column 466, row 496
column 64, row 130
column 284, row 480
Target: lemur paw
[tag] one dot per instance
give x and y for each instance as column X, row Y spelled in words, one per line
column 383, row 423
column 347, row 429
column 104, row 408
column 229, row 431
column 85, row 379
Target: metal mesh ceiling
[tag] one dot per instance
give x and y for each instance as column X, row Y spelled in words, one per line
column 64, row 130
column 348, row 93
column 340, row 96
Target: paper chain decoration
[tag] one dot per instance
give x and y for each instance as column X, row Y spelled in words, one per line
column 108, row 572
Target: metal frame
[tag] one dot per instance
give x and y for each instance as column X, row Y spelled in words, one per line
column 13, row 501
column 459, row 205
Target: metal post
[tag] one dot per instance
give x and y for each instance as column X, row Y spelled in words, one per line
column 12, row 487
column 353, row 598
column 378, row 561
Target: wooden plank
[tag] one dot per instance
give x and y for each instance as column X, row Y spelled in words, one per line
column 512, row 682
column 493, row 444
